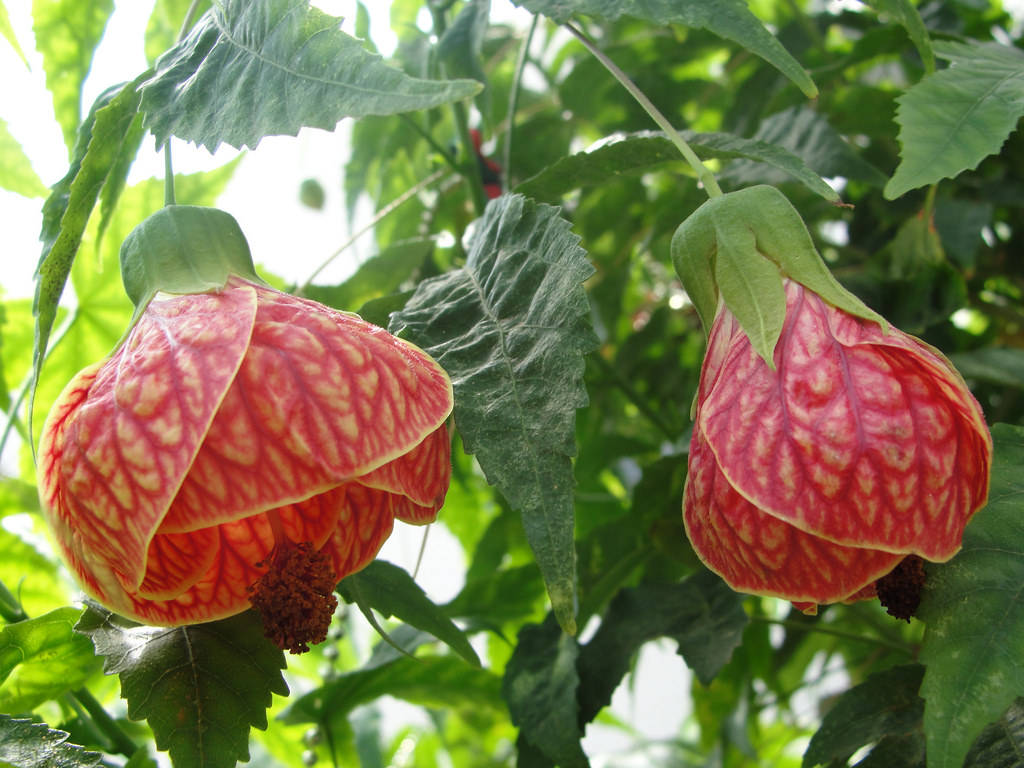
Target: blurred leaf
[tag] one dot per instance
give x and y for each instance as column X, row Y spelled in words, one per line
column 461, row 46
column 730, row 19
column 1001, row 744
column 953, row 119
column 378, row 276
column 16, row 172
column 639, row 152
column 998, row 365
column 700, row 613
column 540, row 688
column 907, row 15
column 32, row 578
column 164, row 25
column 431, row 681
column 42, row 658
column 201, row 687
column 27, row 744
column 974, row 610
column 8, row 32
column 67, row 33
column 510, row 329
column 884, row 708
column 212, row 88
column 808, row 135
column 388, row 589
column 66, row 211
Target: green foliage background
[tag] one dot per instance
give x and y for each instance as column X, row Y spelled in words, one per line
column 575, row 355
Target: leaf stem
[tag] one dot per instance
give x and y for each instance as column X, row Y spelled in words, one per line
column 168, row 175
column 704, row 176
column 120, row 740
column 513, row 99
column 824, row 629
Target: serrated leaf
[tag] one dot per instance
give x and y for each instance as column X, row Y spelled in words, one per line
column 974, row 608
column 201, row 687
column 41, row 658
column 67, row 33
column 254, row 69
column 809, row 136
column 540, row 688
column 1001, row 744
column 701, row 613
column 66, row 211
column 16, row 172
column 510, row 328
column 433, row 681
column 952, row 120
column 27, row 744
column 641, row 151
column 884, row 707
column 729, row 19
column 164, row 25
column 391, row 591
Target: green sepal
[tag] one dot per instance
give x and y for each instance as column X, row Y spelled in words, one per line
column 737, row 248
column 184, row 249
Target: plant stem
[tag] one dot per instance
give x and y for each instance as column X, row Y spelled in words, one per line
column 168, row 175
column 513, row 99
column 704, row 176
column 824, row 629
column 635, row 398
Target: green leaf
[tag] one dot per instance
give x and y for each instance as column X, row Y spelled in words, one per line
column 432, row 681
column 641, row 151
column 998, row 365
column 213, row 87
column 8, row 32
column 952, row 120
column 729, row 19
column 884, row 708
column 27, row 744
column 906, row 14
column 540, row 688
column 510, row 328
column 376, row 277
column 201, row 687
column 391, row 591
column 974, row 608
column 42, row 658
column 67, row 33
column 164, row 25
column 16, row 172
column 809, row 136
column 66, row 211
column 461, row 46
column 701, row 613
column 1001, row 744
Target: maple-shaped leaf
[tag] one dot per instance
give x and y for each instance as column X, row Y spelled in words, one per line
column 27, row 744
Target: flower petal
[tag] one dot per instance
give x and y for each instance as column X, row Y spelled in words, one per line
column 367, row 517
column 762, row 555
column 863, row 438
column 420, row 478
column 322, row 397
column 123, row 434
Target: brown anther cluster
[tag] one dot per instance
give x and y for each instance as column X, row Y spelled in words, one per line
column 900, row 589
column 295, row 597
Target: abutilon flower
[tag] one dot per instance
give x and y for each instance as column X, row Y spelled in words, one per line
column 813, row 480
column 241, row 446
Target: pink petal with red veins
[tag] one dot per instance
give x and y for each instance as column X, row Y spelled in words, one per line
column 367, row 517
column 862, row 438
column 321, row 398
column 420, row 478
column 762, row 555
column 122, row 436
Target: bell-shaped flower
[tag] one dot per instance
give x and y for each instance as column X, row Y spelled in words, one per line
column 827, row 446
column 815, row 479
column 242, row 446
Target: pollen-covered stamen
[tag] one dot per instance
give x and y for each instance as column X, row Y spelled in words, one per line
column 295, row 597
column 899, row 591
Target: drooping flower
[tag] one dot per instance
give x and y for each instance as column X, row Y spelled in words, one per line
column 241, row 444
column 812, row 480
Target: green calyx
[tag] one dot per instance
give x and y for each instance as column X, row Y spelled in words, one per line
column 738, row 248
column 184, row 249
